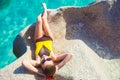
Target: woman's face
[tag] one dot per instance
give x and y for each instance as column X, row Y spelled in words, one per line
column 46, row 61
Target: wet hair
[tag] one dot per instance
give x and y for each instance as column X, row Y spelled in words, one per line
column 50, row 70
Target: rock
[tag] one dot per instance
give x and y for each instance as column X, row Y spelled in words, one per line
column 90, row 33
column 4, row 4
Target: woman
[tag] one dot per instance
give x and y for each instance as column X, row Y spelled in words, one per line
column 45, row 58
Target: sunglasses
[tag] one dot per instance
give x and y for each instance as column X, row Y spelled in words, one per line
column 44, row 60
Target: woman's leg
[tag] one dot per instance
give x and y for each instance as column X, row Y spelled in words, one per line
column 45, row 23
column 38, row 28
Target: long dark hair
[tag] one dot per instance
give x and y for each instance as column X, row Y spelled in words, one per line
column 49, row 71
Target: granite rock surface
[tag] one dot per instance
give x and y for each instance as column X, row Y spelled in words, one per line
column 90, row 33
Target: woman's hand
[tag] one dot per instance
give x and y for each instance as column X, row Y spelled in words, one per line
column 57, row 68
column 41, row 74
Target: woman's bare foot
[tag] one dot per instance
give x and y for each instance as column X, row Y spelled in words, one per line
column 44, row 6
column 45, row 11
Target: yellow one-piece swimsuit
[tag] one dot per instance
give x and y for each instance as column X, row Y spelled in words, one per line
column 46, row 43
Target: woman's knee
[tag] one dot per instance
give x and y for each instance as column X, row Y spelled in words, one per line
column 39, row 19
column 24, row 62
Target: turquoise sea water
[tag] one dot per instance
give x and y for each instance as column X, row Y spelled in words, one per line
column 15, row 15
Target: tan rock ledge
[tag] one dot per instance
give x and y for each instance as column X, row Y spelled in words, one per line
column 90, row 33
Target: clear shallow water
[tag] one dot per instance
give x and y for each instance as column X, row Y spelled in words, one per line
column 15, row 15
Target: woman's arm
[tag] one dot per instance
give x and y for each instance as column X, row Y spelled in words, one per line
column 31, row 66
column 62, row 60
column 38, row 59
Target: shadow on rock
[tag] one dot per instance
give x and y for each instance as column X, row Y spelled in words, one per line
column 21, row 70
column 29, row 38
column 19, row 46
column 58, row 77
column 22, row 41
